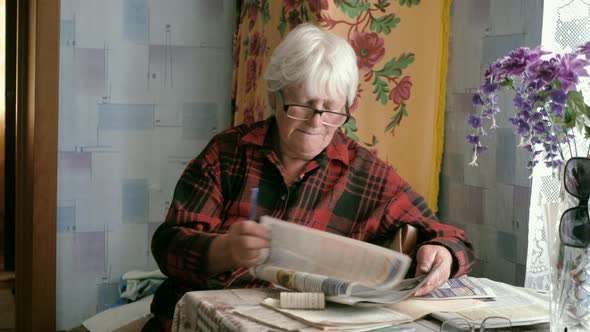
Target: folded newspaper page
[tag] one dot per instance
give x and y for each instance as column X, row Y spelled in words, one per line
column 463, row 287
column 519, row 305
column 347, row 271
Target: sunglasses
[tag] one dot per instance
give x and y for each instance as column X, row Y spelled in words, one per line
column 574, row 227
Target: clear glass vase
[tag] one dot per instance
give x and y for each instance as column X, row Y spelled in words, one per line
column 570, row 272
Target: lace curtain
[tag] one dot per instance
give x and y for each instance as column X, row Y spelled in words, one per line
column 566, row 24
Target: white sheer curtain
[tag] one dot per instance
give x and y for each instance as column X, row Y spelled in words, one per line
column 566, row 24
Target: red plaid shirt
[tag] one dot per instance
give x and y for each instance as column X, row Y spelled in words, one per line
column 345, row 190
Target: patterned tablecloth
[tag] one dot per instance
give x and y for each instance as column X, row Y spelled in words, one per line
column 216, row 311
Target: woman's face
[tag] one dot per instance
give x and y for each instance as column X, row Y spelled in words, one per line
column 304, row 139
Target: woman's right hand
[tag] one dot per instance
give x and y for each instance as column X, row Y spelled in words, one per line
column 245, row 243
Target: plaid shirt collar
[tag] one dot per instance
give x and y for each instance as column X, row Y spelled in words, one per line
column 262, row 134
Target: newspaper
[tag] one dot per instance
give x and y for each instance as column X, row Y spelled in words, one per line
column 347, row 271
column 521, row 306
column 339, row 316
column 463, row 287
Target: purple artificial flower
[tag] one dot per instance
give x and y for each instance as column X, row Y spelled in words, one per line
column 489, row 88
column 524, row 115
column 489, row 112
column 558, row 96
column 518, row 101
column 474, row 121
column 523, row 128
column 472, row 139
column 477, row 101
column 481, row 149
column 557, row 109
column 569, row 70
column 514, row 64
column 536, row 117
column 539, row 127
column 584, row 50
column 541, row 85
column 531, row 164
column 542, row 72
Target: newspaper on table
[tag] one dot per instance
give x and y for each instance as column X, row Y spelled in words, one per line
column 463, row 287
column 347, row 271
column 337, row 315
column 520, row 305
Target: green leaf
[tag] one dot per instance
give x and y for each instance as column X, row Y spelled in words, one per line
column 394, row 66
column 575, row 102
column 403, row 109
column 384, row 23
column 506, row 82
column 282, row 26
column 352, row 8
column 349, row 129
column 374, row 142
column 265, row 13
column 574, row 106
column 409, row 3
column 586, row 132
column 382, row 4
column 569, row 119
column 395, row 120
column 380, row 90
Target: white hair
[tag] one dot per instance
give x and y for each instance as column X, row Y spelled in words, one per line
column 324, row 63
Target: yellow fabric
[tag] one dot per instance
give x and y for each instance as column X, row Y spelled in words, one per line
column 402, row 54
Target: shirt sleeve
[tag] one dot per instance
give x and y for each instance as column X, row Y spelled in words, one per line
column 181, row 244
column 408, row 207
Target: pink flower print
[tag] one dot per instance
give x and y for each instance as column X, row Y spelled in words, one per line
column 369, row 49
column 254, row 44
column 251, row 75
column 315, row 6
column 402, row 91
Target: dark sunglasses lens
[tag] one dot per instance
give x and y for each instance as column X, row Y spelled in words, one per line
column 574, row 228
column 577, row 177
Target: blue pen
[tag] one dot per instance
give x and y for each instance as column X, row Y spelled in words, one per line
column 253, row 203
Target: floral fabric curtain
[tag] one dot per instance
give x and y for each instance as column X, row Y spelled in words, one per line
column 401, row 47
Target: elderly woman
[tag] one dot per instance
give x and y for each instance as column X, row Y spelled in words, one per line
column 307, row 171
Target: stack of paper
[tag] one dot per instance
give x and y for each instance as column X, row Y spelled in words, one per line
column 334, row 317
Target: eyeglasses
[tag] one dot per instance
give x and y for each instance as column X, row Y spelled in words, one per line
column 574, row 227
column 492, row 323
column 304, row 112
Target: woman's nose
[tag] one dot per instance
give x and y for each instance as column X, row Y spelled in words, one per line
column 316, row 119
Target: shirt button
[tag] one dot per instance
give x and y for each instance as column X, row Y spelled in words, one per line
column 283, row 197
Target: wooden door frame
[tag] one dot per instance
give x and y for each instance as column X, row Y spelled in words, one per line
column 37, row 109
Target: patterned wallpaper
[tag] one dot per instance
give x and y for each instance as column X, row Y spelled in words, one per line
column 144, row 84
column 490, row 202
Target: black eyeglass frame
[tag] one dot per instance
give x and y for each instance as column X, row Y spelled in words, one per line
column 582, row 205
column 315, row 111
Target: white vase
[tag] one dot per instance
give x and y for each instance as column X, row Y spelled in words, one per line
column 570, row 271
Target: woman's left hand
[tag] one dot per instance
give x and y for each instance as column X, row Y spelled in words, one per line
column 428, row 257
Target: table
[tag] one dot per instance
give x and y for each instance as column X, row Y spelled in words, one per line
column 212, row 311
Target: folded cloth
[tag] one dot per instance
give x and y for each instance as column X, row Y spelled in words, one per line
column 135, row 284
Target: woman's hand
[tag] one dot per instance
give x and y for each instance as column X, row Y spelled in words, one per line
column 241, row 246
column 428, row 257
column 245, row 240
